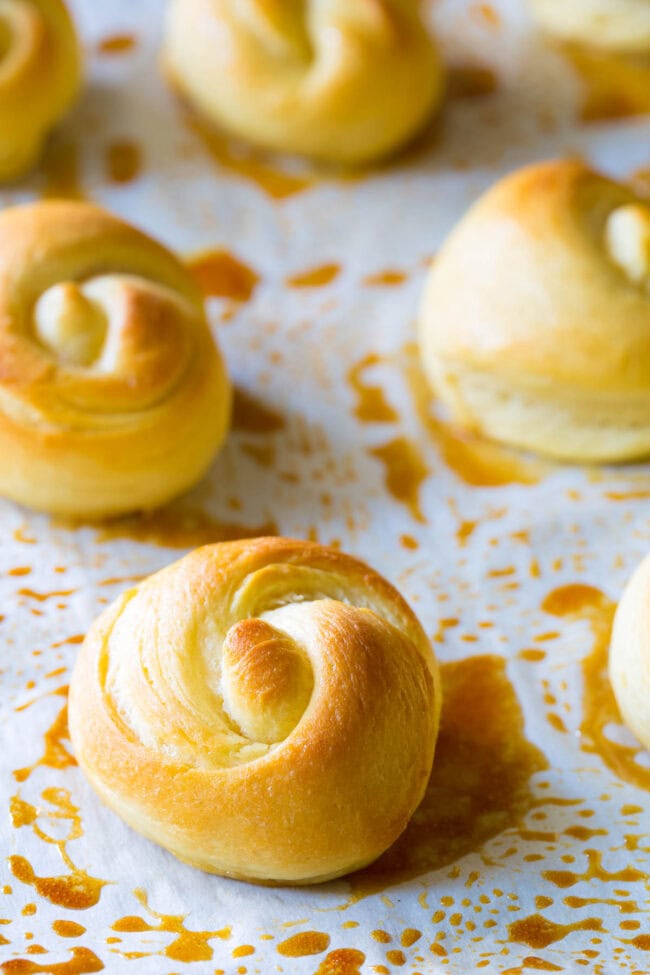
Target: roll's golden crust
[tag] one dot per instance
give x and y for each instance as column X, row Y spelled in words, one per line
column 342, row 82
column 535, row 322
column 621, row 25
column 113, row 396
column 40, row 75
column 266, row 710
column 629, row 656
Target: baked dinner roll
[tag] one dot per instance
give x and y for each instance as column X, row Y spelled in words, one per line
column 621, row 25
column 40, row 75
column 535, row 323
column 344, row 81
column 265, row 710
column 113, row 396
column 629, row 655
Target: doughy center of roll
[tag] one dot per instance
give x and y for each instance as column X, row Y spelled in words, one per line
column 627, row 236
column 70, row 325
column 267, row 680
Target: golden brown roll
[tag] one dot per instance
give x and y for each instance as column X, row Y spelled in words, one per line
column 535, row 321
column 620, row 25
column 113, row 396
column 40, row 75
column 344, row 82
column 629, row 655
column 264, row 709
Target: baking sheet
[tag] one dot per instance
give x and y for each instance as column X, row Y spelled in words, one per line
column 530, row 851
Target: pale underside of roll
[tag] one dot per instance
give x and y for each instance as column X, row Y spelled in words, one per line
column 265, row 710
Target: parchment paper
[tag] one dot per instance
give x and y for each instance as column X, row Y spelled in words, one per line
column 532, row 811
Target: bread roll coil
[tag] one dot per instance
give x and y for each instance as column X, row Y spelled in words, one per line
column 113, row 396
column 535, row 320
column 618, row 25
column 40, row 76
column 265, row 710
column 629, row 657
column 339, row 81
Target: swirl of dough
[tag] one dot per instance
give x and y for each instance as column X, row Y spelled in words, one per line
column 629, row 654
column 341, row 82
column 264, row 709
column 40, row 76
column 535, row 321
column 113, row 396
column 620, row 25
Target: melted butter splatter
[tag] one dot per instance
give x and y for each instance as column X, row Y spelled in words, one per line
column 404, row 472
column 219, row 274
column 477, row 462
column 174, row 527
column 304, row 943
column 480, row 783
column 187, row 946
column 316, row 277
column 251, row 415
column 371, row 405
column 538, row 932
column 55, row 753
column 600, row 711
column 343, row 961
column 245, row 161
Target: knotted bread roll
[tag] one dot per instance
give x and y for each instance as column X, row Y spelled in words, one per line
column 629, row 655
column 264, row 709
column 620, row 25
column 344, row 82
column 113, row 396
column 40, row 75
column 535, row 322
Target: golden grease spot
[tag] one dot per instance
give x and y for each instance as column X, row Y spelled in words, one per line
column 60, row 168
column 123, row 161
column 316, row 277
column 219, row 274
column 396, row 957
column 615, row 85
column 303, row 944
column 68, row 929
column 372, row 405
column 187, row 946
column 388, row 278
column 173, row 527
column 41, row 597
column 594, row 871
column 55, row 754
column 82, row 962
column 116, row 44
column 599, row 708
column 252, row 415
column 405, row 471
column 480, row 785
column 477, row 462
column 245, row 161
column 77, row 891
column 343, row 961
column 538, row 932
